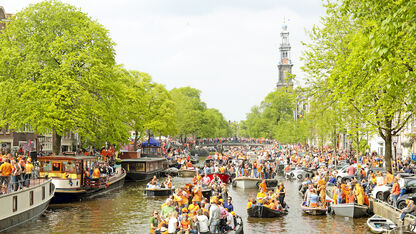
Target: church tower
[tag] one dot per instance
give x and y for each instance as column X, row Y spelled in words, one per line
column 285, row 64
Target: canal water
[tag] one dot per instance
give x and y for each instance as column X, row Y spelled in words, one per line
column 128, row 211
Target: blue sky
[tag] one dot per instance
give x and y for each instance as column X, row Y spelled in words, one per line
column 226, row 48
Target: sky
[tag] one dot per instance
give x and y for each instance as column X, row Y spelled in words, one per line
column 228, row 49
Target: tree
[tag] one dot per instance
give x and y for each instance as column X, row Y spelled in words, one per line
column 190, row 111
column 57, row 66
column 366, row 48
column 149, row 105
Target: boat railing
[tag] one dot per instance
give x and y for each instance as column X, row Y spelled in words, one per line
column 17, row 184
column 96, row 182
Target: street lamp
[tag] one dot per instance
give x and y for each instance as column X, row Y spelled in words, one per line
column 395, row 155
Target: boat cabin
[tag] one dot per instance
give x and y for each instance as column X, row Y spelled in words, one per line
column 67, row 167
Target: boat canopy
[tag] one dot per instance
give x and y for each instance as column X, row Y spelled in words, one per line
column 152, row 142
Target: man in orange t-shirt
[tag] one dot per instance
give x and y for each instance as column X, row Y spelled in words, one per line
column 6, row 170
column 185, row 224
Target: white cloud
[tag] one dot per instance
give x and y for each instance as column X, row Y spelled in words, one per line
column 227, row 49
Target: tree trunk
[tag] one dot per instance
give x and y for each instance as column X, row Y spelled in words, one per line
column 135, row 140
column 56, row 143
column 387, row 151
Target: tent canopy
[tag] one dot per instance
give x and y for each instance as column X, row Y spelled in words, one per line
column 152, row 143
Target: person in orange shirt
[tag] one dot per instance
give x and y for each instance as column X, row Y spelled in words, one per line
column 96, row 173
column 185, row 225
column 197, row 194
column 6, row 171
column 263, row 185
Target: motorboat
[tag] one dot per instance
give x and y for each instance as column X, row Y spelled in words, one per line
column 245, row 182
column 158, row 191
column 189, row 172
column 260, row 211
column 224, row 177
column 313, row 210
column 378, row 224
column 352, row 210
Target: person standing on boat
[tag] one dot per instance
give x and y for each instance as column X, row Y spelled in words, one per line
column 214, row 216
column 228, row 205
column 6, row 171
column 282, row 193
column 29, row 170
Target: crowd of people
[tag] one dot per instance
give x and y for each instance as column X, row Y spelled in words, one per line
column 15, row 172
column 188, row 211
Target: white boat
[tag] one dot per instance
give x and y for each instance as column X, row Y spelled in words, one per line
column 26, row 204
column 378, row 224
column 245, row 182
column 352, row 210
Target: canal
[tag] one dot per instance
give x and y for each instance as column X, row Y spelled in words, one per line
column 128, row 211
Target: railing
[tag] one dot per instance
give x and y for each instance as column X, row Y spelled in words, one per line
column 96, row 183
column 17, row 184
column 392, row 207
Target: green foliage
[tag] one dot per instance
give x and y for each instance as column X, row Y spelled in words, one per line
column 194, row 119
column 57, row 67
column 363, row 58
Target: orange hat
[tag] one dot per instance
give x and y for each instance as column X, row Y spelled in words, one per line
column 29, row 159
column 184, row 210
column 233, row 213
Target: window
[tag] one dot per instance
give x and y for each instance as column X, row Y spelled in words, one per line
column 56, row 166
column 50, row 189
column 140, row 167
column 69, row 167
column 45, row 166
column 43, row 192
column 31, row 198
column 14, row 203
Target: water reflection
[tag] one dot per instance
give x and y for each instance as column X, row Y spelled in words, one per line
column 128, row 211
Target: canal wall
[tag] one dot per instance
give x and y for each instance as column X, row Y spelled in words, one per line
column 389, row 212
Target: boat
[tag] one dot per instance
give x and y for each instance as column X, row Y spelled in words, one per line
column 172, row 171
column 191, row 172
column 378, row 224
column 352, row 210
column 69, row 175
column 206, row 192
column 158, row 192
column 271, row 183
column 194, row 159
column 260, row 211
column 143, row 165
column 239, row 229
column 26, row 204
column 313, row 210
column 245, row 182
column 224, row 177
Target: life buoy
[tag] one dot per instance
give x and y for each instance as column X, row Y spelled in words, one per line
column 300, row 177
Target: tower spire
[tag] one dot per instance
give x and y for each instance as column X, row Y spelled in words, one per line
column 285, row 64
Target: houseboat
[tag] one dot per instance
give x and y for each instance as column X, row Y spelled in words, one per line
column 27, row 204
column 73, row 177
column 142, row 166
